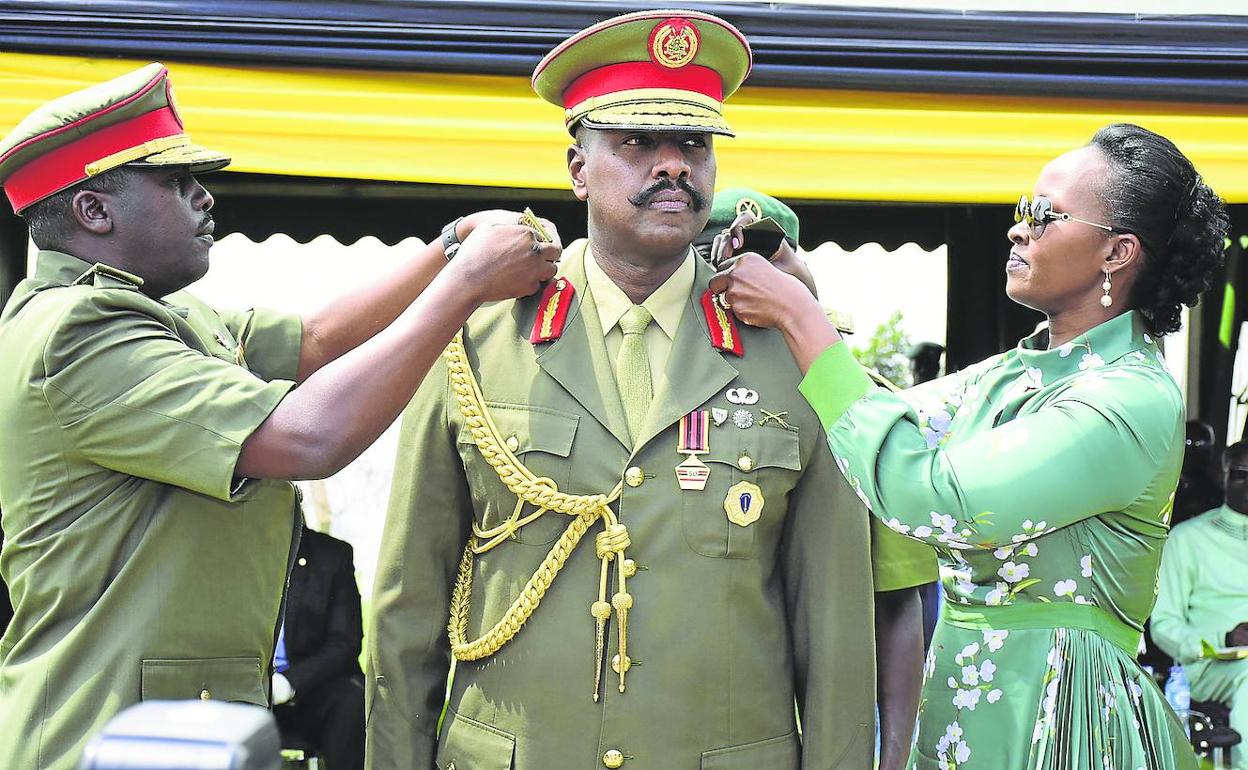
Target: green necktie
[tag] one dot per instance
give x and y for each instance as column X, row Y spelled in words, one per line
column 632, row 368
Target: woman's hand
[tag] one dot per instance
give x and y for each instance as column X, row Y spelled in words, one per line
column 724, row 247
column 759, row 293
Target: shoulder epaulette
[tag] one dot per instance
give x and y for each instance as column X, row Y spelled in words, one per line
column 101, row 274
column 722, row 326
column 552, row 311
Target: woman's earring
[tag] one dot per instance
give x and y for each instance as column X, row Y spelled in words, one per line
column 1106, row 300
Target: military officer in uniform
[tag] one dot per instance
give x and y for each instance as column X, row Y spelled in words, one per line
column 146, row 440
column 611, row 507
column 901, row 566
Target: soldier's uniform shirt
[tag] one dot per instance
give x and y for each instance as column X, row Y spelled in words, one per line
column 896, row 561
column 139, row 567
column 730, row 624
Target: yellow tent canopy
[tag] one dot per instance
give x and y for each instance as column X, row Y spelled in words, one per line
column 492, row 131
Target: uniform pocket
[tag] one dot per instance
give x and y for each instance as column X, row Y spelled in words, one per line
column 542, row 440
column 470, row 745
column 227, row 679
column 766, row 457
column 783, row 753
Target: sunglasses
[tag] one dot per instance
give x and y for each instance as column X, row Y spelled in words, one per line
column 1039, row 213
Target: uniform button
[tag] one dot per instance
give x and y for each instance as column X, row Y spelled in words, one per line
column 745, row 463
column 613, row 759
column 615, row 663
column 205, row 695
column 633, row 477
column 513, row 443
column 630, row 568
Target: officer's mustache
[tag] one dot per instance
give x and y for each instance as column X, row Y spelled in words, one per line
column 696, row 199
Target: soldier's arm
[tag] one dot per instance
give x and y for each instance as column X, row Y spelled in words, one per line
column 426, row 529
column 899, row 670
column 828, row 592
column 343, row 407
column 356, row 316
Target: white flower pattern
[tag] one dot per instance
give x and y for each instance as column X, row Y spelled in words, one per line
column 982, row 682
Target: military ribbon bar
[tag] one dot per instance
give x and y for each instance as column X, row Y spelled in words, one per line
column 695, row 432
column 552, row 311
column 722, row 326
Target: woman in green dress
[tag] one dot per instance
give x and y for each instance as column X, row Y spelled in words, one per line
column 1043, row 476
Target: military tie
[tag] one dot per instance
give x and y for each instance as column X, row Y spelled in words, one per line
column 632, row 368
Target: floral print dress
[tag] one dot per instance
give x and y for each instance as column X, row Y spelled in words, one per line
column 1045, row 480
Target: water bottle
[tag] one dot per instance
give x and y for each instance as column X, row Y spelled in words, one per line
column 1178, row 692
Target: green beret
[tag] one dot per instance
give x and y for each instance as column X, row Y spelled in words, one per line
column 729, row 203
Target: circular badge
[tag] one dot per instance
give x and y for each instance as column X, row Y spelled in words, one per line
column 674, row 43
column 750, row 205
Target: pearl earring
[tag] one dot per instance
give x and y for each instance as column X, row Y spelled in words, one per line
column 1106, row 300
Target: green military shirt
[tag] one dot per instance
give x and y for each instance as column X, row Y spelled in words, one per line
column 732, row 623
column 139, row 567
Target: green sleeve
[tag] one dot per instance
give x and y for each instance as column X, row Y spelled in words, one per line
column 130, row 395
column 1095, row 448
column 427, row 526
column 827, row 578
column 1176, row 581
column 898, row 562
column 834, row 382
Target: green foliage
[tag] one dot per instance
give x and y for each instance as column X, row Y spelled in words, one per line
column 885, row 352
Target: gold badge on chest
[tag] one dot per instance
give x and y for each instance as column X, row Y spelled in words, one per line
column 744, row 503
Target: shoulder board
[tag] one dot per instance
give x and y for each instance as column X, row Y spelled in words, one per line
column 102, row 275
column 722, row 326
column 552, row 311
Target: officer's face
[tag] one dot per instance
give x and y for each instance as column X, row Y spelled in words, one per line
column 164, row 222
column 649, row 192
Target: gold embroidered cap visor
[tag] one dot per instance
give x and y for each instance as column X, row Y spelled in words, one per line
column 129, row 120
column 652, row 70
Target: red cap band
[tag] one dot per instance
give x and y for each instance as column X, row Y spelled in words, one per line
column 629, row 76
column 65, row 166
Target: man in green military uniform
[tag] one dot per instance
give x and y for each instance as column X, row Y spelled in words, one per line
column 145, row 440
column 901, row 566
column 645, row 551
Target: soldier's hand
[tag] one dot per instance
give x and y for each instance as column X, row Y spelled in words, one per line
column 503, row 217
column 501, row 261
column 756, row 291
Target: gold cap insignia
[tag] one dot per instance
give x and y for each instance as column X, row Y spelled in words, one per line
column 750, row 205
column 674, row 43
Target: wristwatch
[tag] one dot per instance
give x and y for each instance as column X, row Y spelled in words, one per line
column 450, row 239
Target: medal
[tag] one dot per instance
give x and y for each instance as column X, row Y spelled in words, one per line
column 719, row 415
column 693, row 439
column 744, row 503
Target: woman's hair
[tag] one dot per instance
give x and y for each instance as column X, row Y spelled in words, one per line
column 1154, row 191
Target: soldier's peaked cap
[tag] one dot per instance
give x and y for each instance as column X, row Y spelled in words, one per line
column 129, row 120
column 650, row 70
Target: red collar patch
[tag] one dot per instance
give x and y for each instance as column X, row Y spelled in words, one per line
column 722, row 326
column 552, row 311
